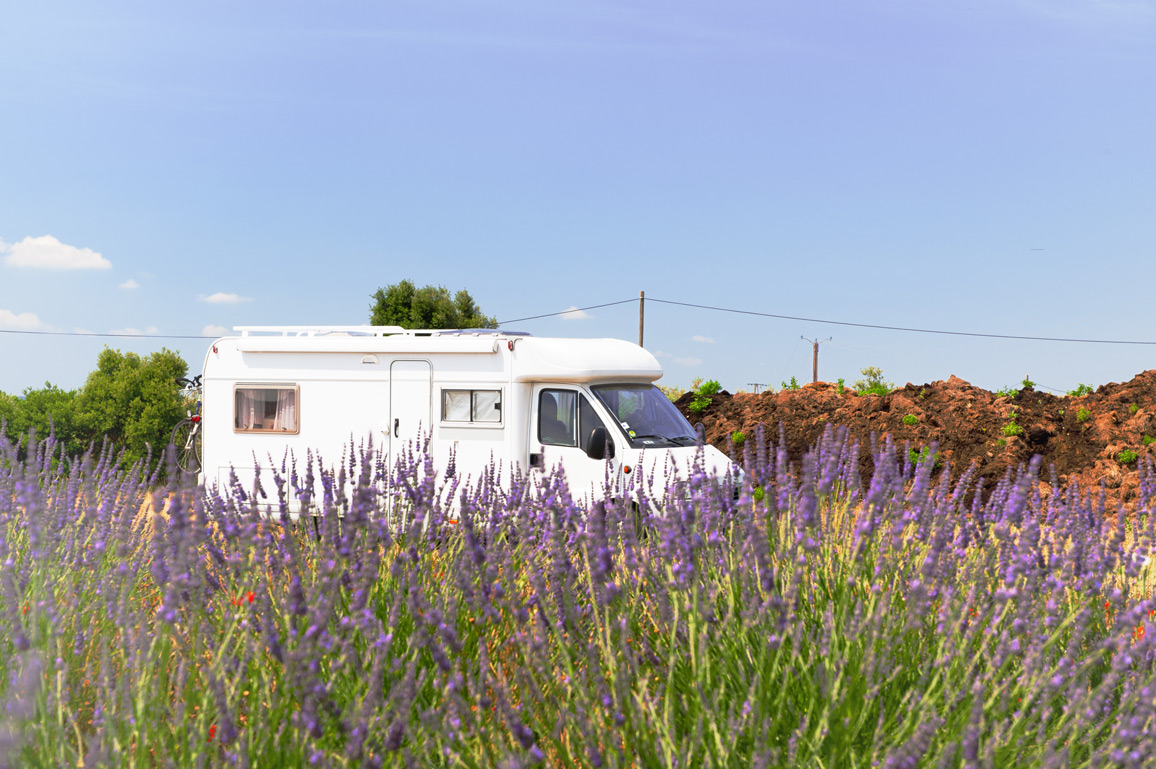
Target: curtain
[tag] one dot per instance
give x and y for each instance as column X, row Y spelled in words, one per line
column 246, row 414
column 286, row 418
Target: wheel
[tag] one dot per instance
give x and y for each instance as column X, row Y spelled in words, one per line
column 187, row 438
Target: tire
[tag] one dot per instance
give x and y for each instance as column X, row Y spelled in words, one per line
column 187, row 440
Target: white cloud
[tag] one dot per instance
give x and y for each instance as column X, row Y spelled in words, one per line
column 130, row 331
column 660, row 354
column 573, row 313
column 688, row 361
column 222, row 298
column 213, row 330
column 25, row 321
column 703, row 339
column 129, row 285
column 48, row 253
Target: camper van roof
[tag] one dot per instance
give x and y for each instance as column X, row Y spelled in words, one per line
column 369, row 331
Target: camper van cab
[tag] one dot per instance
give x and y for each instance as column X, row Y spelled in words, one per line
column 485, row 397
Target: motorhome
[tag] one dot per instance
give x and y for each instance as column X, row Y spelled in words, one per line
column 527, row 404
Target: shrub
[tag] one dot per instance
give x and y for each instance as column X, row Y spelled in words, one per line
column 738, row 437
column 872, row 382
column 910, row 420
column 1011, row 428
column 1148, row 440
column 1006, row 392
column 1081, row 389
column 915, row 457
column 702, row 395
column 672, row 392
column 840, row 387
column 709, row 387
column 1126, row 457
column 1083, row 415
column 792, row 385
column 1133, row 408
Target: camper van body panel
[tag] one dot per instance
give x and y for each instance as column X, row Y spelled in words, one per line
column 271, row 401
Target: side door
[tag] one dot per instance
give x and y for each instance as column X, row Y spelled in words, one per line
column 410, row 388
column 561, row 422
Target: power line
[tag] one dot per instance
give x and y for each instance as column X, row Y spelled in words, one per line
column 567, row 312
column 662, row 301
column 93, row 333
column 900, row 328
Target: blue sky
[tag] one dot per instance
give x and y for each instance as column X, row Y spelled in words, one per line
column 983, row 167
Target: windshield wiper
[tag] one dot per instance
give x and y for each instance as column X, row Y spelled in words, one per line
column 648, row 437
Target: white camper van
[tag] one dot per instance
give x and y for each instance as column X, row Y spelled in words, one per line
column 522, row 402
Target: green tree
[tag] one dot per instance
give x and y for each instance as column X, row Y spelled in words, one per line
column 132, row 401
column 403, row 304
column 48, row 410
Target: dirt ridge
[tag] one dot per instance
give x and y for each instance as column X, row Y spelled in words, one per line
column 1082, row 437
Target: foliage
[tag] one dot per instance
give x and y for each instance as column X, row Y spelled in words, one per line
column 1011, row 428
column 1027, row 384
column 1133, row 408
column 915, row 457
column 872, row 382
column 738, row 437
column 48, row 410
column 403, row 304
column 910, row 420
column 1148, row 440
column 672, row 392
column 702, row 393
column 840, row 387
column 129, row 401
column 1006, row 392
column 1082, row 414
column 826, row 621
column 1081, row 389
column 1127, row 457
column 132, row 402
column 792, row 385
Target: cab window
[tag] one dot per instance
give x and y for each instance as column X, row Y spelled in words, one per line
column 565, row 418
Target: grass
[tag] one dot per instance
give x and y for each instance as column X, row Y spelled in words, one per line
column 811, row 621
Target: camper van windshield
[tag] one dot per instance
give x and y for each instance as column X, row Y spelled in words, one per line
column 645, row 415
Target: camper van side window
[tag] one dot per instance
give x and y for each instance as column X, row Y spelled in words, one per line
column 482, row 407
column 265, row 409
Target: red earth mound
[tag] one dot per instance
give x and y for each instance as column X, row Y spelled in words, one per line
column 1101, row 437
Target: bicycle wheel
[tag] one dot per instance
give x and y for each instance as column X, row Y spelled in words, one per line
column 197, row 444
column 186, row 438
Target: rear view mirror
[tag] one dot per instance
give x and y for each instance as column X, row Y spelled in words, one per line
column 599, row 445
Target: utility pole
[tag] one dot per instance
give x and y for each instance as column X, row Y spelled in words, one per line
column 641, row 311
column 815, row 356
column 757, row 385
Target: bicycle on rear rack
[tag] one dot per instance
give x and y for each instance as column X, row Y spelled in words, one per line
column 187, row 434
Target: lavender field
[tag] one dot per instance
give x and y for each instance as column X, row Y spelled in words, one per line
column 815, row 618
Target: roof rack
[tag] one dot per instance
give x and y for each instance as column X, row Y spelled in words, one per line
column 320, row 330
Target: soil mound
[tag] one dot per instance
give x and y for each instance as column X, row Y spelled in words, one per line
column 1100, row 437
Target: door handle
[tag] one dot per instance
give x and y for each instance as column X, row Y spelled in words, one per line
column 395, row 424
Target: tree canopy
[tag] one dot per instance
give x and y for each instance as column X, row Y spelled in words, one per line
column 403, row 304
column 132, row 402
